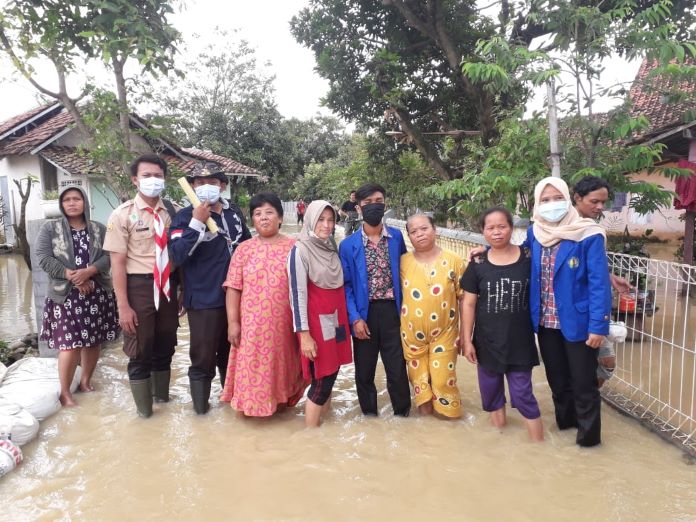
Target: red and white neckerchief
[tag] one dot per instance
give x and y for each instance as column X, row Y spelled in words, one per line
column 161, row 269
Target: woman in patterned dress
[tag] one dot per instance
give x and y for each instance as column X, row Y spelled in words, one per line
column 430, row 319
column 79, row 312
column 264, row 370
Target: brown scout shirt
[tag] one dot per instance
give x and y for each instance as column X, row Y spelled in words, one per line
column 131, row 231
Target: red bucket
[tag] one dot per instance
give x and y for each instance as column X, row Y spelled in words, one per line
column 627, row 303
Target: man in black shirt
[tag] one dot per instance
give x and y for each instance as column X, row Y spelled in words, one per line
column 349, row 211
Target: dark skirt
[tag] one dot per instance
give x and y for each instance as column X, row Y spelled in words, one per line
column 81, row 321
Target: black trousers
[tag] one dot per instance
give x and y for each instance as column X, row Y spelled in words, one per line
column 152, row 346
column 384, row 341
column 320, row 390
column 571, row 370
column 209, row 345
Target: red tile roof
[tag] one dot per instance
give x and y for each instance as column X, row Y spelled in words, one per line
column 37, row 136
column 16, row 120
column 647, row 95
column 230, row 166
column 76, row 163
column 69, row 158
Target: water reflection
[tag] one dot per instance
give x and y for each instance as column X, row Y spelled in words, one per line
column 100, row 461
column 16, row 298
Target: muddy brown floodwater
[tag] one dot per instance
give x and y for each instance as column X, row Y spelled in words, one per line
column 99, row 461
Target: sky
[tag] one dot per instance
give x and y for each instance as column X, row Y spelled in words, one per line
column 265, row 25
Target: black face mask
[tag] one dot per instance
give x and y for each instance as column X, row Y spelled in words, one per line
column 373, row 213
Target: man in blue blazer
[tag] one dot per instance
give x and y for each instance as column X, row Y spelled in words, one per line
column 370, row 259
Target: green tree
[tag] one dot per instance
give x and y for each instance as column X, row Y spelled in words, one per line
column 68, row 34
column 503, row 174
column 120, row 30
column 400, row 61
column 364, row 158
column 582, row 37
column 227, row 104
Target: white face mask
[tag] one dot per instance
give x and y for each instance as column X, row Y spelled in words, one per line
column 210, row 193
column 553, row 211
column 151, row 187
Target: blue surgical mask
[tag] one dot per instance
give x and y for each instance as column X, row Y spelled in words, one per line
column 553, row 211
column 209, row 193
column 151, row 187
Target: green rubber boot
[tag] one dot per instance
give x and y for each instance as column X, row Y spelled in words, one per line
column 160, row 385
column 142, row 396
column 200, row 393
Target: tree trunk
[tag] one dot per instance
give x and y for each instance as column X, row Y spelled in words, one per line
column 21, row 228
column 553, row 130
column 423, row 145
column 61, row 95
column 123, row 112
column 433, row 27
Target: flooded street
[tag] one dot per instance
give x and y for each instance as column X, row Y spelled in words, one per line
column 99, row 461
column 16, row 298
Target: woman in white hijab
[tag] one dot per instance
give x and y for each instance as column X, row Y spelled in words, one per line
column 318, row 307
column 570, row 302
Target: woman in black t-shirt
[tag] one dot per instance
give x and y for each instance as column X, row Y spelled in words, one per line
column 496, row 299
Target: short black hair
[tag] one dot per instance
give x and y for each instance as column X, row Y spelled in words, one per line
column 589, row 184
column 430, row 218
column 366, row 190
column 148, row 158
column 493, row 210
column 352, row 192
column 262, row 198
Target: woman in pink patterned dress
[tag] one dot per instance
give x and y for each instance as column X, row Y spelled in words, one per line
column 264, row 369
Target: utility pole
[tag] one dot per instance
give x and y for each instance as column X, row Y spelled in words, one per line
column 553, row 130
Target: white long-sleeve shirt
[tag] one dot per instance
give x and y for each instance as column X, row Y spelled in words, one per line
column 297, row 279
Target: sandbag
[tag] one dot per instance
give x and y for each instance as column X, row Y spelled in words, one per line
column 10, row 456
column 33, row 384
column 17, row 422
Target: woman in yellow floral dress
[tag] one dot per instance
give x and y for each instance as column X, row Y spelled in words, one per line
column 430, row 319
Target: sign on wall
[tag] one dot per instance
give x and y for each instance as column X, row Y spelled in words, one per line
column 70, row 183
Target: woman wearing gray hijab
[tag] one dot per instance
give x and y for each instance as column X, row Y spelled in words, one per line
column 79, row 312
column 318, row 307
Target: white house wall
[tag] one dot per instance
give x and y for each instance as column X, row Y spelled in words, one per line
column 68, row 180
column 665, row 224
column 18, row 167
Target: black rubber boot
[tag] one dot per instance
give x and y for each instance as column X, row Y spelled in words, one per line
column 142, row 395
column 160, row 385
column 223, row 375
column 200, row 393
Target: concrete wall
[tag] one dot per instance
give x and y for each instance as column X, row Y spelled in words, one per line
column 75, row 139
column 18, row 167
column 39, row 280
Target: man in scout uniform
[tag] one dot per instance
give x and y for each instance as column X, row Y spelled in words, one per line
column 136, row 236
column 204, row 257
